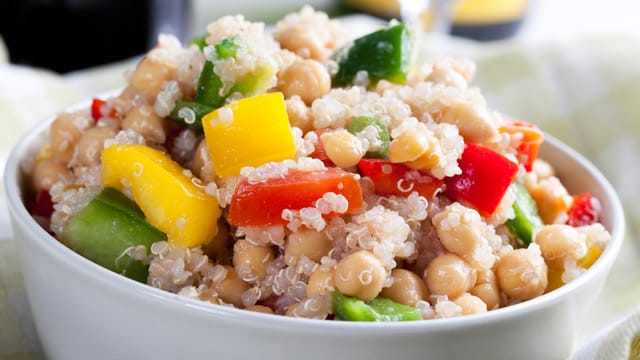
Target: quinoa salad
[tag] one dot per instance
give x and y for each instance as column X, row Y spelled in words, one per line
column 302, row 172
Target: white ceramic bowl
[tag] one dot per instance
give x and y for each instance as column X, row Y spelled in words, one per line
column 83, row 311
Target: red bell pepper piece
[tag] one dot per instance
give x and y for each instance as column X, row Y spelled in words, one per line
column 262, row 204
column 96, row 109
column 486, row 176
column 43, row 206
column 583, row 210
column 398, row 179
column 532, row 138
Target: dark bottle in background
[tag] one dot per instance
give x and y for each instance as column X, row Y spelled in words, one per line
column 67, row 35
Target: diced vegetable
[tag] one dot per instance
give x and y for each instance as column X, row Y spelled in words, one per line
column 532, row 138
column 381, row 149
column 593, row 253
column 212, row 91
column 379, row 309
column 193, row 116
column 227, row 48
column 397, row 179
column 383, row 54
column 96, row 109
column 554, row 279
column 249, row 132
column 582, row 211
column 486, row 176
column 526, row 220
column 199, row 41
column 209, row 85
column 96, row 104
column 107, row 228
column 169, row 199
column 555, row 276
column 43, row 206
column 262, row 204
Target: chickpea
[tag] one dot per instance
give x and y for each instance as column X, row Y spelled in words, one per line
column 489, row 294
column 542, row 169
column 48, row 172
column 310, row 243
column 361, row 275
column 90, row 146
column 552, row 198
column 315, row 307
column 230, row 289
column 522, row 273
column 250, row 260
column 123, row 103
column 202, row 165
column 149, row 76
column 410, row 145
column 486, row 277
column 307, row 79
column 343, row 148
column 461, row 231
column 147, row 123
column 449, row 275
column 487, row 289
column 292, row 310
column 303, row 42
column 560, row 242
column 299, row 114
column 408, row 288
column 260, row 308
column 474, row 122
column 65, row 132
column 320, row 282
column 470, row 304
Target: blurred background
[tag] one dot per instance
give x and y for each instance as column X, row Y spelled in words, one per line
column 67, row 35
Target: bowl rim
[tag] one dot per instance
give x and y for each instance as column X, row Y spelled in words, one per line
column 52, row 246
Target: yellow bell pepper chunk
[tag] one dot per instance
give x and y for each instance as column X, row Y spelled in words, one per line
column 555, row 276
column 250, row 132
column 169, row 199
column 593, row 253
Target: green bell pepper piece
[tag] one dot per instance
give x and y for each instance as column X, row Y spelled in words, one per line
column 378, row 309
column 227, row 48
column 198, row 109
column 358, row 124
column 209, row 85
column 109, row 225
column 383, row 54
column 209, row 91
column 526, row 220
column 200, row 41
